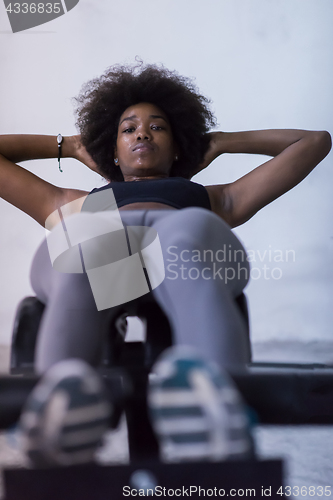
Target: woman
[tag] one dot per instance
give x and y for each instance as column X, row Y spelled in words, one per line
column 146, row 131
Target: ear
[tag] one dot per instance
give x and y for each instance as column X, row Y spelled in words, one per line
column 115, row 152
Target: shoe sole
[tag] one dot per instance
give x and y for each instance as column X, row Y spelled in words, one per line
column 65, row 416
column 196, row 412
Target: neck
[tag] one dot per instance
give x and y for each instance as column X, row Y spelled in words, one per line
column 133, row 178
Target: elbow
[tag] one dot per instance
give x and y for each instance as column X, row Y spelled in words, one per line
column 319, row 144
column 324, row 142
column 328, row 139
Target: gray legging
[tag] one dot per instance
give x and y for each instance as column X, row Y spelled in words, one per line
column 196, row 295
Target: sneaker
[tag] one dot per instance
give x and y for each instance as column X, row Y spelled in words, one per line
column 65, row 416
column 196, row 411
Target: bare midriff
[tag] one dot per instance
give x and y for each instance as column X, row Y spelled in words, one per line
column 147, row 205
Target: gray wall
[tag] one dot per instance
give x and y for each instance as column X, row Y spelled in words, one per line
column 264, row 64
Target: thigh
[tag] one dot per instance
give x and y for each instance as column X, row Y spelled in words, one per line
column 191, row 234
column 195, row 236
column 42, row 274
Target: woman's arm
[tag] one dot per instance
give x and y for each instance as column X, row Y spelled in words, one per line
column 21, row 147
column 265, row 142
column 295, row 152
column 25, row 190
column 18, row 148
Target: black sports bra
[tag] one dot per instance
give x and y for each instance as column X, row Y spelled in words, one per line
column 176, row 192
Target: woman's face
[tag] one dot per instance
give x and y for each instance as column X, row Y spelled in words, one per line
column 145, row 145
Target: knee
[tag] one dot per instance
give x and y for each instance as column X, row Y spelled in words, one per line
column 200, row 226
column 204, row 222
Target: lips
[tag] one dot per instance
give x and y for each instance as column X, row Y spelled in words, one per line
column 143, row 147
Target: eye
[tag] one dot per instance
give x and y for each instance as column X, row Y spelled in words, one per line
column 156, row 127
column 129, row 129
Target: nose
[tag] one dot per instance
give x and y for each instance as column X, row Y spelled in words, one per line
column 143, row 133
